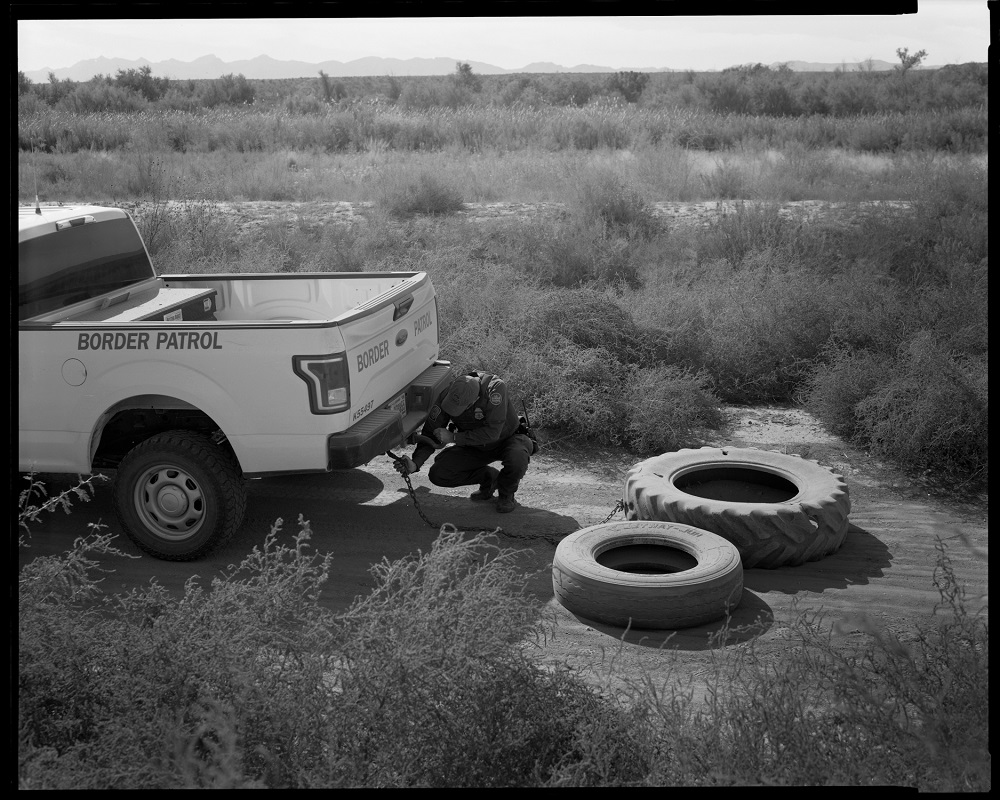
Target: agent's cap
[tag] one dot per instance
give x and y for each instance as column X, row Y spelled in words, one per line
column 462, row 394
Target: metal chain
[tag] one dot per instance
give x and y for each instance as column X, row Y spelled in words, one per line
column 416, row 503
column 619, row 506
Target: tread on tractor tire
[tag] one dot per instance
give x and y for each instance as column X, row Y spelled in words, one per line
column 647, row 575
column 179, row 496
column 777, row 509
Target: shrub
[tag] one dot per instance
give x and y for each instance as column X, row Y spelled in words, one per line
column 589, row 318
column 436, row 689
column 99, row 96
column 775, row 98
column 142, row 82
column 604, row 199
column 930, row 412
column 629, row 84
column 957, row 308
column 729, row 181
column 750, row 228
column 192, row 236
column 578, row 259
column 574, row 253
column 229, row 89
column 566, row 90
column 426, row 195
column 922, row 407
column 34, row 499
column 884, row 712
column 421, row 96
column 761, row 327
column 582, row 366
column 834, row 390
column 670, row 408
column 726, row 94
column 214, row 689
column 589, row 395
column 581, row 394
column 427, row 681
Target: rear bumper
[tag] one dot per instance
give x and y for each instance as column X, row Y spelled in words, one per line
column 384, row 428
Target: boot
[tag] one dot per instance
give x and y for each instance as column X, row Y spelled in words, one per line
column 506, row 503
column 486, row 489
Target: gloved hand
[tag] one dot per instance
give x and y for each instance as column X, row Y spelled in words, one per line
column 405, row 466
column 444, row 435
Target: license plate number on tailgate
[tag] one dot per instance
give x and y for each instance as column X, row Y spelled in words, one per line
column 398, row 405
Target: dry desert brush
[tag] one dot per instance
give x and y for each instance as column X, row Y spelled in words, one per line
column 425, row 194
column 430, row 681
column 438, row 687
column 847, row 703
column 251, row 684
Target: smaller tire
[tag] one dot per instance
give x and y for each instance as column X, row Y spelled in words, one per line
column 647, row 574
column 179, row 496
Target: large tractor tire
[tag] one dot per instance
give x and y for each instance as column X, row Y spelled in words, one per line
column 649, row 575
column 179, row 496
column 778, row 510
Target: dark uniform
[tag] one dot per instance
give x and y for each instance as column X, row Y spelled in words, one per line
column 478, row 408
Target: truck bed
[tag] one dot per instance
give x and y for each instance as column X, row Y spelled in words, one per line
column 301, row 296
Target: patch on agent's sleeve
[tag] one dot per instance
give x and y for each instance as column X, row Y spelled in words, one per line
column 434, row 413
column 496, row 398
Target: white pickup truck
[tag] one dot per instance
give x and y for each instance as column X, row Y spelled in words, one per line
column 186, row 385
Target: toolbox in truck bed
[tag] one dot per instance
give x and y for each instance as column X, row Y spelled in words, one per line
column 166, row 305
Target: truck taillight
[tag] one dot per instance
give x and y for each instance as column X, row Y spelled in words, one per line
column 328, row 382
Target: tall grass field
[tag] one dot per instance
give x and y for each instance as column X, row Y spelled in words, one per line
column 618, row 327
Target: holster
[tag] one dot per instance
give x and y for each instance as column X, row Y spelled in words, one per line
column 523, row 429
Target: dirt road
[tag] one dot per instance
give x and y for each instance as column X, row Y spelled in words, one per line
column 250, row 214
column 884, row 568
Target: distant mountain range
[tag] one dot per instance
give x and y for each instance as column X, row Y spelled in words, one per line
column 265, row 67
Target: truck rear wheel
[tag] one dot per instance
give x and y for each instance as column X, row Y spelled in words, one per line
column 179, row 496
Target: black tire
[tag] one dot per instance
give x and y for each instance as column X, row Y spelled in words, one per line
column 801, row 514
column 179, row 496
column 631, row 574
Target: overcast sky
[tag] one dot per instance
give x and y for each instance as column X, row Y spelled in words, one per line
column 951, row 31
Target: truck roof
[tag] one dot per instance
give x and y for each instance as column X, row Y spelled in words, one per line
column 38, row 220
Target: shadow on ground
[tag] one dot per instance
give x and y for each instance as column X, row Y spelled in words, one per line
column 751, row 618
column 861, row 558
column 360, row 520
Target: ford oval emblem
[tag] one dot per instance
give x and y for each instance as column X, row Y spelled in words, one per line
column 401, row 337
